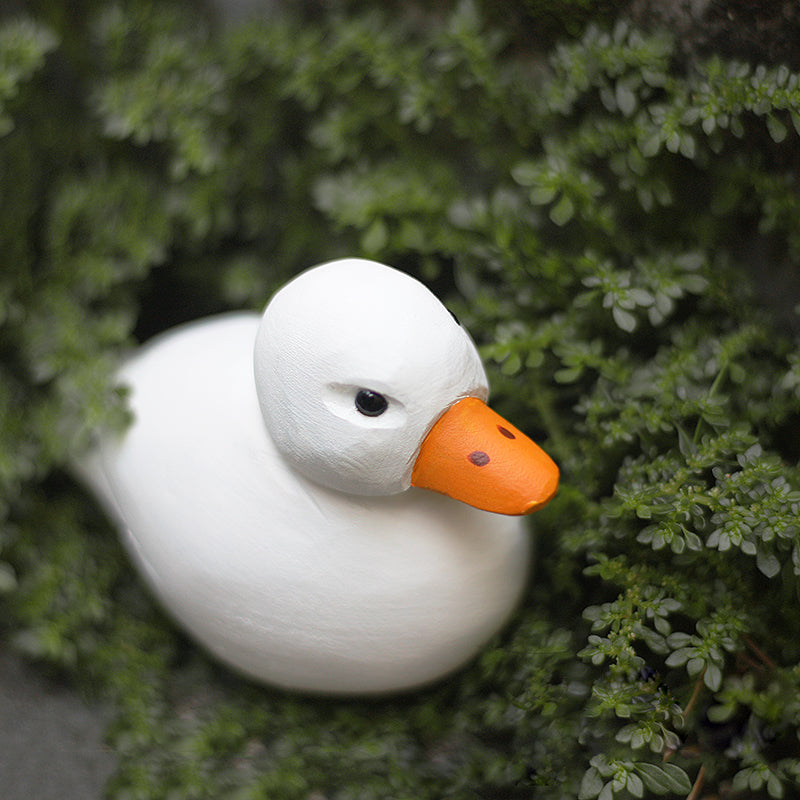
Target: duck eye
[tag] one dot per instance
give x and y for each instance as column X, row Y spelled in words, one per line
column 371, row 404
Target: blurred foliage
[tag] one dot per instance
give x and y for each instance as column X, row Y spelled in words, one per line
column 592, row 214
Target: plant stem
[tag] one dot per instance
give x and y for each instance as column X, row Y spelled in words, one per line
column 698, row 686
column 716, row 383
column 698, row 784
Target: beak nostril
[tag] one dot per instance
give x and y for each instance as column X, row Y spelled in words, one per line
column 506, row 432
column 479, row 458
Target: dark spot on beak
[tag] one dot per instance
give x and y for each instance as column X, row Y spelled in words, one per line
column 479, row 458
column 506, row 432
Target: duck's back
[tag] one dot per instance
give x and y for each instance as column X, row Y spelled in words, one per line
column 185, row 397
column 287, row 581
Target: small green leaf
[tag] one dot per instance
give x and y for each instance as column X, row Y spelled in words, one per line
column 607, row 792
column 768, row 564
column 721, row 713
column 591, row 784
column 712, row 677
column 624, row 319
column 375, row 238
column 635, row 785
column 774, row 785
column 8, row 578
column 777, row 130
column 626, row 99
column 562, row 212
column 512, row 365
column 694, row 666
column 526, row 173
column 541, row 195
column 664, row 779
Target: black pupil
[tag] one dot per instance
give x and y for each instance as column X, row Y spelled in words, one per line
column 370, row 403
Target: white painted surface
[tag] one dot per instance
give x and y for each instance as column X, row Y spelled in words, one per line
column 339, row 579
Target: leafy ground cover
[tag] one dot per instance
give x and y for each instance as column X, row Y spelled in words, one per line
column 595, row 213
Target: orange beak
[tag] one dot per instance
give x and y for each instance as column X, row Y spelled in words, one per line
column 472, row 454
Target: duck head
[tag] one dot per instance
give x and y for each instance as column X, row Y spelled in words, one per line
column 368, row 386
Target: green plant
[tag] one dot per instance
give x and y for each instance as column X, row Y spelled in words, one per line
column 592, row 220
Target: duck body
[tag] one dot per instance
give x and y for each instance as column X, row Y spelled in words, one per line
column 290, row 581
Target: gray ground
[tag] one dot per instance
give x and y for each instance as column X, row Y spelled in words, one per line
column 51, row 739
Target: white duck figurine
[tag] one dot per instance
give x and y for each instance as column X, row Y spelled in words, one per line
column 266, row 486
